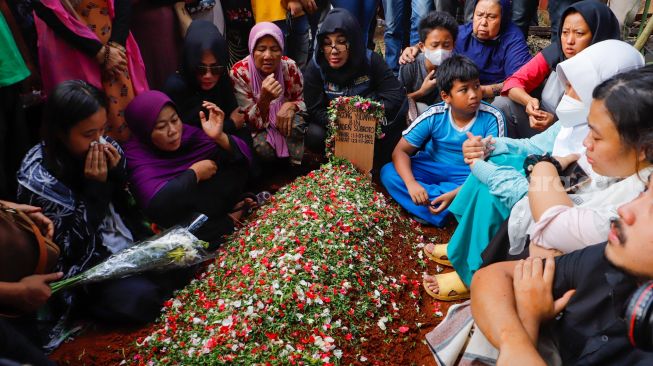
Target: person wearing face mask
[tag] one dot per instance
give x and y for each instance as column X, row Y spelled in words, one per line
column 517, row 298
column 437, row 32
column 487, row 198
column 530, row 95
column 492, row 41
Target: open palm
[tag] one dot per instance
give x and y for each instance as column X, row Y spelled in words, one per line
column 212, row 126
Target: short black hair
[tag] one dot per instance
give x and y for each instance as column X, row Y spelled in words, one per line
column 456, row 67
column 437, row 19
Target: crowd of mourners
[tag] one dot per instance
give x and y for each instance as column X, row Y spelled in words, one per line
column 156, row 111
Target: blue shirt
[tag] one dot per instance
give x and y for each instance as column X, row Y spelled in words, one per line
column 498, row 58
column 436, row 134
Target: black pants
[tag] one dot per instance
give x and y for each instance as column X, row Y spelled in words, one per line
column 497, row 249
column 16, row 349
column 214, row 197
column 14, row 139
column 132, row 300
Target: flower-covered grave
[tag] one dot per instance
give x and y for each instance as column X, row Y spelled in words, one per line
column 299, row 284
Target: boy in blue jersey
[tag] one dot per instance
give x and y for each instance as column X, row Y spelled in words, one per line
column 427, row 166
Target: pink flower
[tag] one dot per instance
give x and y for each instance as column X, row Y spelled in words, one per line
column 403, row 329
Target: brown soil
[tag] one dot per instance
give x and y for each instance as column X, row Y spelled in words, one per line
column 105, row 345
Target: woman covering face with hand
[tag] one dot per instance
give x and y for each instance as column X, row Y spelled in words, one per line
column 269, row 89
column 78, row 178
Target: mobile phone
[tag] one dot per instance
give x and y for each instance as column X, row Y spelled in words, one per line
column 574, row 177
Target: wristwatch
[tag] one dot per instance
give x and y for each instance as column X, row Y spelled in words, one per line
column 533, row 159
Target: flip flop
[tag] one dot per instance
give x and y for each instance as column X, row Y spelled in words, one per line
column 439, row 254
column 449, row 284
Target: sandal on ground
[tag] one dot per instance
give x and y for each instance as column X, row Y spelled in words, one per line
column 450, row 287
column 439, row 254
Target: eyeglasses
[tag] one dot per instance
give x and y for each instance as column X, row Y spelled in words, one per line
column 338, row 46
column 214, row 70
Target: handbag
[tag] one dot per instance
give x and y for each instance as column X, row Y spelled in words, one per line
column 25, row 251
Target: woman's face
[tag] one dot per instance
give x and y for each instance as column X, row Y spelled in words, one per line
column 605, row 150
column 575, row 35
column 208, row 71
column 267, row 55
column 166, row 135
column 88, row 130
column 336, row 49
column 487, row 20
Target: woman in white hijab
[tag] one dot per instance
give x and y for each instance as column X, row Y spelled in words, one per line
column 486, row 199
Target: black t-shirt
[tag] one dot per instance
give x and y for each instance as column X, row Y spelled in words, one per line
column 592, row 330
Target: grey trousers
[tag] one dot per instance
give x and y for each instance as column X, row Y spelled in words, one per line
column 517, row 122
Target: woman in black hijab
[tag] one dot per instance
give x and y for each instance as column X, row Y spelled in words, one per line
column 582, row 24
column 342, row 66
column 202, row 77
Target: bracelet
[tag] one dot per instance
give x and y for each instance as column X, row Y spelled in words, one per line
column 532, row 160
column 106, row 55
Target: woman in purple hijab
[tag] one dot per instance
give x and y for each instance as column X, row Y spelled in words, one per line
column 177, row 171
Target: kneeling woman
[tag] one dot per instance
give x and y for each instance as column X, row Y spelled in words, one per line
column 177, row 171
column 79, row 180
column 342, row 66
column 270, row 92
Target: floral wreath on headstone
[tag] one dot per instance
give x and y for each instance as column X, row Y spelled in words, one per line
column 372, row 107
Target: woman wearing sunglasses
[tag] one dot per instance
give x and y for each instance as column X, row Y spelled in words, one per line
column 202, row 77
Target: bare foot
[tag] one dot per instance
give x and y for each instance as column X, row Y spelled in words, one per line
column 431, row 283
column 429, row 248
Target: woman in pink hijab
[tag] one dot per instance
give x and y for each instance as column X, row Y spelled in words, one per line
column 270, row 91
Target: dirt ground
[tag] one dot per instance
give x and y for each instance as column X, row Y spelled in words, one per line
column 103, row 345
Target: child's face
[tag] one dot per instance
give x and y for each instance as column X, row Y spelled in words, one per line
column 464, row 96
column 438, row 38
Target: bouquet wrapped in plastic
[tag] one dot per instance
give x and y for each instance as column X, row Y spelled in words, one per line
column 173, row 248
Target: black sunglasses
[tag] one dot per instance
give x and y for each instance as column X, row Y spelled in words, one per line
column 214, row 70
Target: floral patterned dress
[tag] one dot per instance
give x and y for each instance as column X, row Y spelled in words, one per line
column 294, row 92
column 119, row 90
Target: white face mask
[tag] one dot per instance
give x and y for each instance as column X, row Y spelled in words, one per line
column 437, row 56
column 571, row 112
